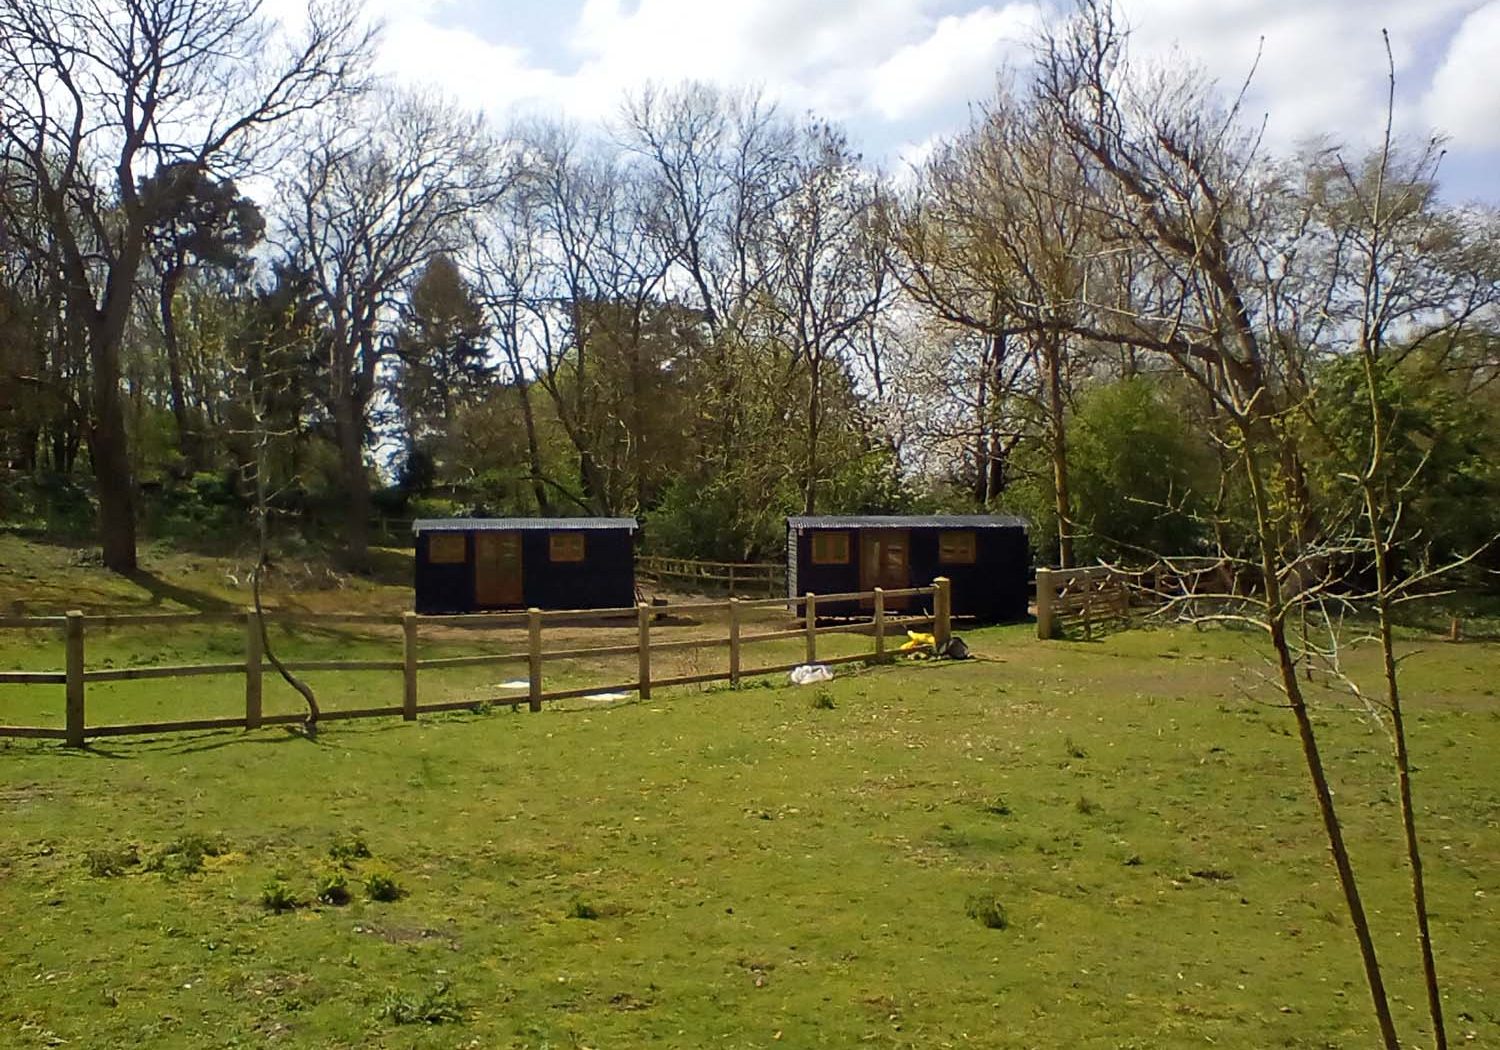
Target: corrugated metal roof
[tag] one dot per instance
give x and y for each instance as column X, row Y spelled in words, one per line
column 518, row 524
column 905, row 521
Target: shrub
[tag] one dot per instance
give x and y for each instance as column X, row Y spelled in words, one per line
column 435, row 1007
column 823, row 701
column 985, row 909
column 581, row 909
column 184, row 855
column 348, row 848
column 1087, row 806
column 110, row 863
column 997, row 806
column 382, row 886
column 276, row 896
column 332, row 888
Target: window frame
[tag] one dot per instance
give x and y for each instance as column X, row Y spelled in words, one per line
column 441, row 547
column 970, row 554
column 570, row 539
column 819, row 551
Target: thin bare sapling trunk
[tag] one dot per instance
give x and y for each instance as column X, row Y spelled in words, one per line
column 262, row 563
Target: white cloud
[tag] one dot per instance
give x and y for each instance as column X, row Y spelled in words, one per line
column 1463, row 100
column 1322, row 65
column 492, row 77
column 902, row 70
column 956, row 63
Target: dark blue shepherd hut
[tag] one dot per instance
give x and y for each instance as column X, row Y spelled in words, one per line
column 476, row 564
column 987, row 558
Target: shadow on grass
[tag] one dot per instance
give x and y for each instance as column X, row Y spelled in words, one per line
column 161, row 592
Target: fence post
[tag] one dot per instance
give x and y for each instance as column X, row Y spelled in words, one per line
column 643, row 646
column 812, row 627
column 731, row 579
column 409, row 666
column 734, row 643
column 253, row 652
column 942, row 612
column 1045, row 591
column 73, row 644
column 880, row 625
column 534, row 658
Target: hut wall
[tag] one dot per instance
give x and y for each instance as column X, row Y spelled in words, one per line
column 992, row 589
column 604, row 579
column 444, row 588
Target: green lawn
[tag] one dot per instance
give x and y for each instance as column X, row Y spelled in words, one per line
column 749, row 868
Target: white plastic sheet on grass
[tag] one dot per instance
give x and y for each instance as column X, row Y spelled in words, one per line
column 807, row 674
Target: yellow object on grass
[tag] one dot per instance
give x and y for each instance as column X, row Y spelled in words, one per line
column 916, row 640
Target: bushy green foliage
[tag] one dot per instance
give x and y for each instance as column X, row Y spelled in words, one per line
column 278, row 897
column 332, row 887
column 184, row 855
column 111, row 862
column 1141, row 477
column 349, row 847
column 437, row 1006
column 1441, row 458
column 381, row 885
column 985, row 908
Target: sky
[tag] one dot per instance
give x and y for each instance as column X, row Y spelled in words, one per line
column 902, row 74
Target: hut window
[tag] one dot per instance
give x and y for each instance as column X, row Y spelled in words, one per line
column 446, row 548
column 565, row 546
column 830, row 548
column 956, row 548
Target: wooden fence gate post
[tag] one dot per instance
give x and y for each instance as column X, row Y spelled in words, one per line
column 734, row 643
column 534, row 658
column 73, row 644
column 812, row 627
column 643, row 647
column 1045, row 591
column 409, row 666
column 253, row 681
column 880, row 625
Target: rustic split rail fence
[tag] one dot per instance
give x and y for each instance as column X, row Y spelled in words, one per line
column 1092, row 598
column 734, row 578
column 76, row 675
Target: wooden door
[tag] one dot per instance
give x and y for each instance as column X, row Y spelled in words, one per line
column 497, row 569
column 884, row 561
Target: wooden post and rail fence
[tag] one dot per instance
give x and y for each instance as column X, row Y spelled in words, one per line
column 1092, row 598
column 731, row 578
column 76, row 675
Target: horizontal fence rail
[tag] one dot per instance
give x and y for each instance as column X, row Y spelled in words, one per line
column 732, row 578
column 76, row 674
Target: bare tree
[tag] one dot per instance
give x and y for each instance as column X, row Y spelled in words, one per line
column 1176, row 184
column 993, row 238
column 826, row 263
column 96, row 95
column 380, row 190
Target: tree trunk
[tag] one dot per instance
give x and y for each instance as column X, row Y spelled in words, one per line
column 1383, row 590
column 1307, row 736
column 814, row 414
column 1057, row 424
column 349, row 431
column 187, row 443
column 109, row 454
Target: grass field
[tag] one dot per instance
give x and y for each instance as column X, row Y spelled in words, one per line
column 1060, row 844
